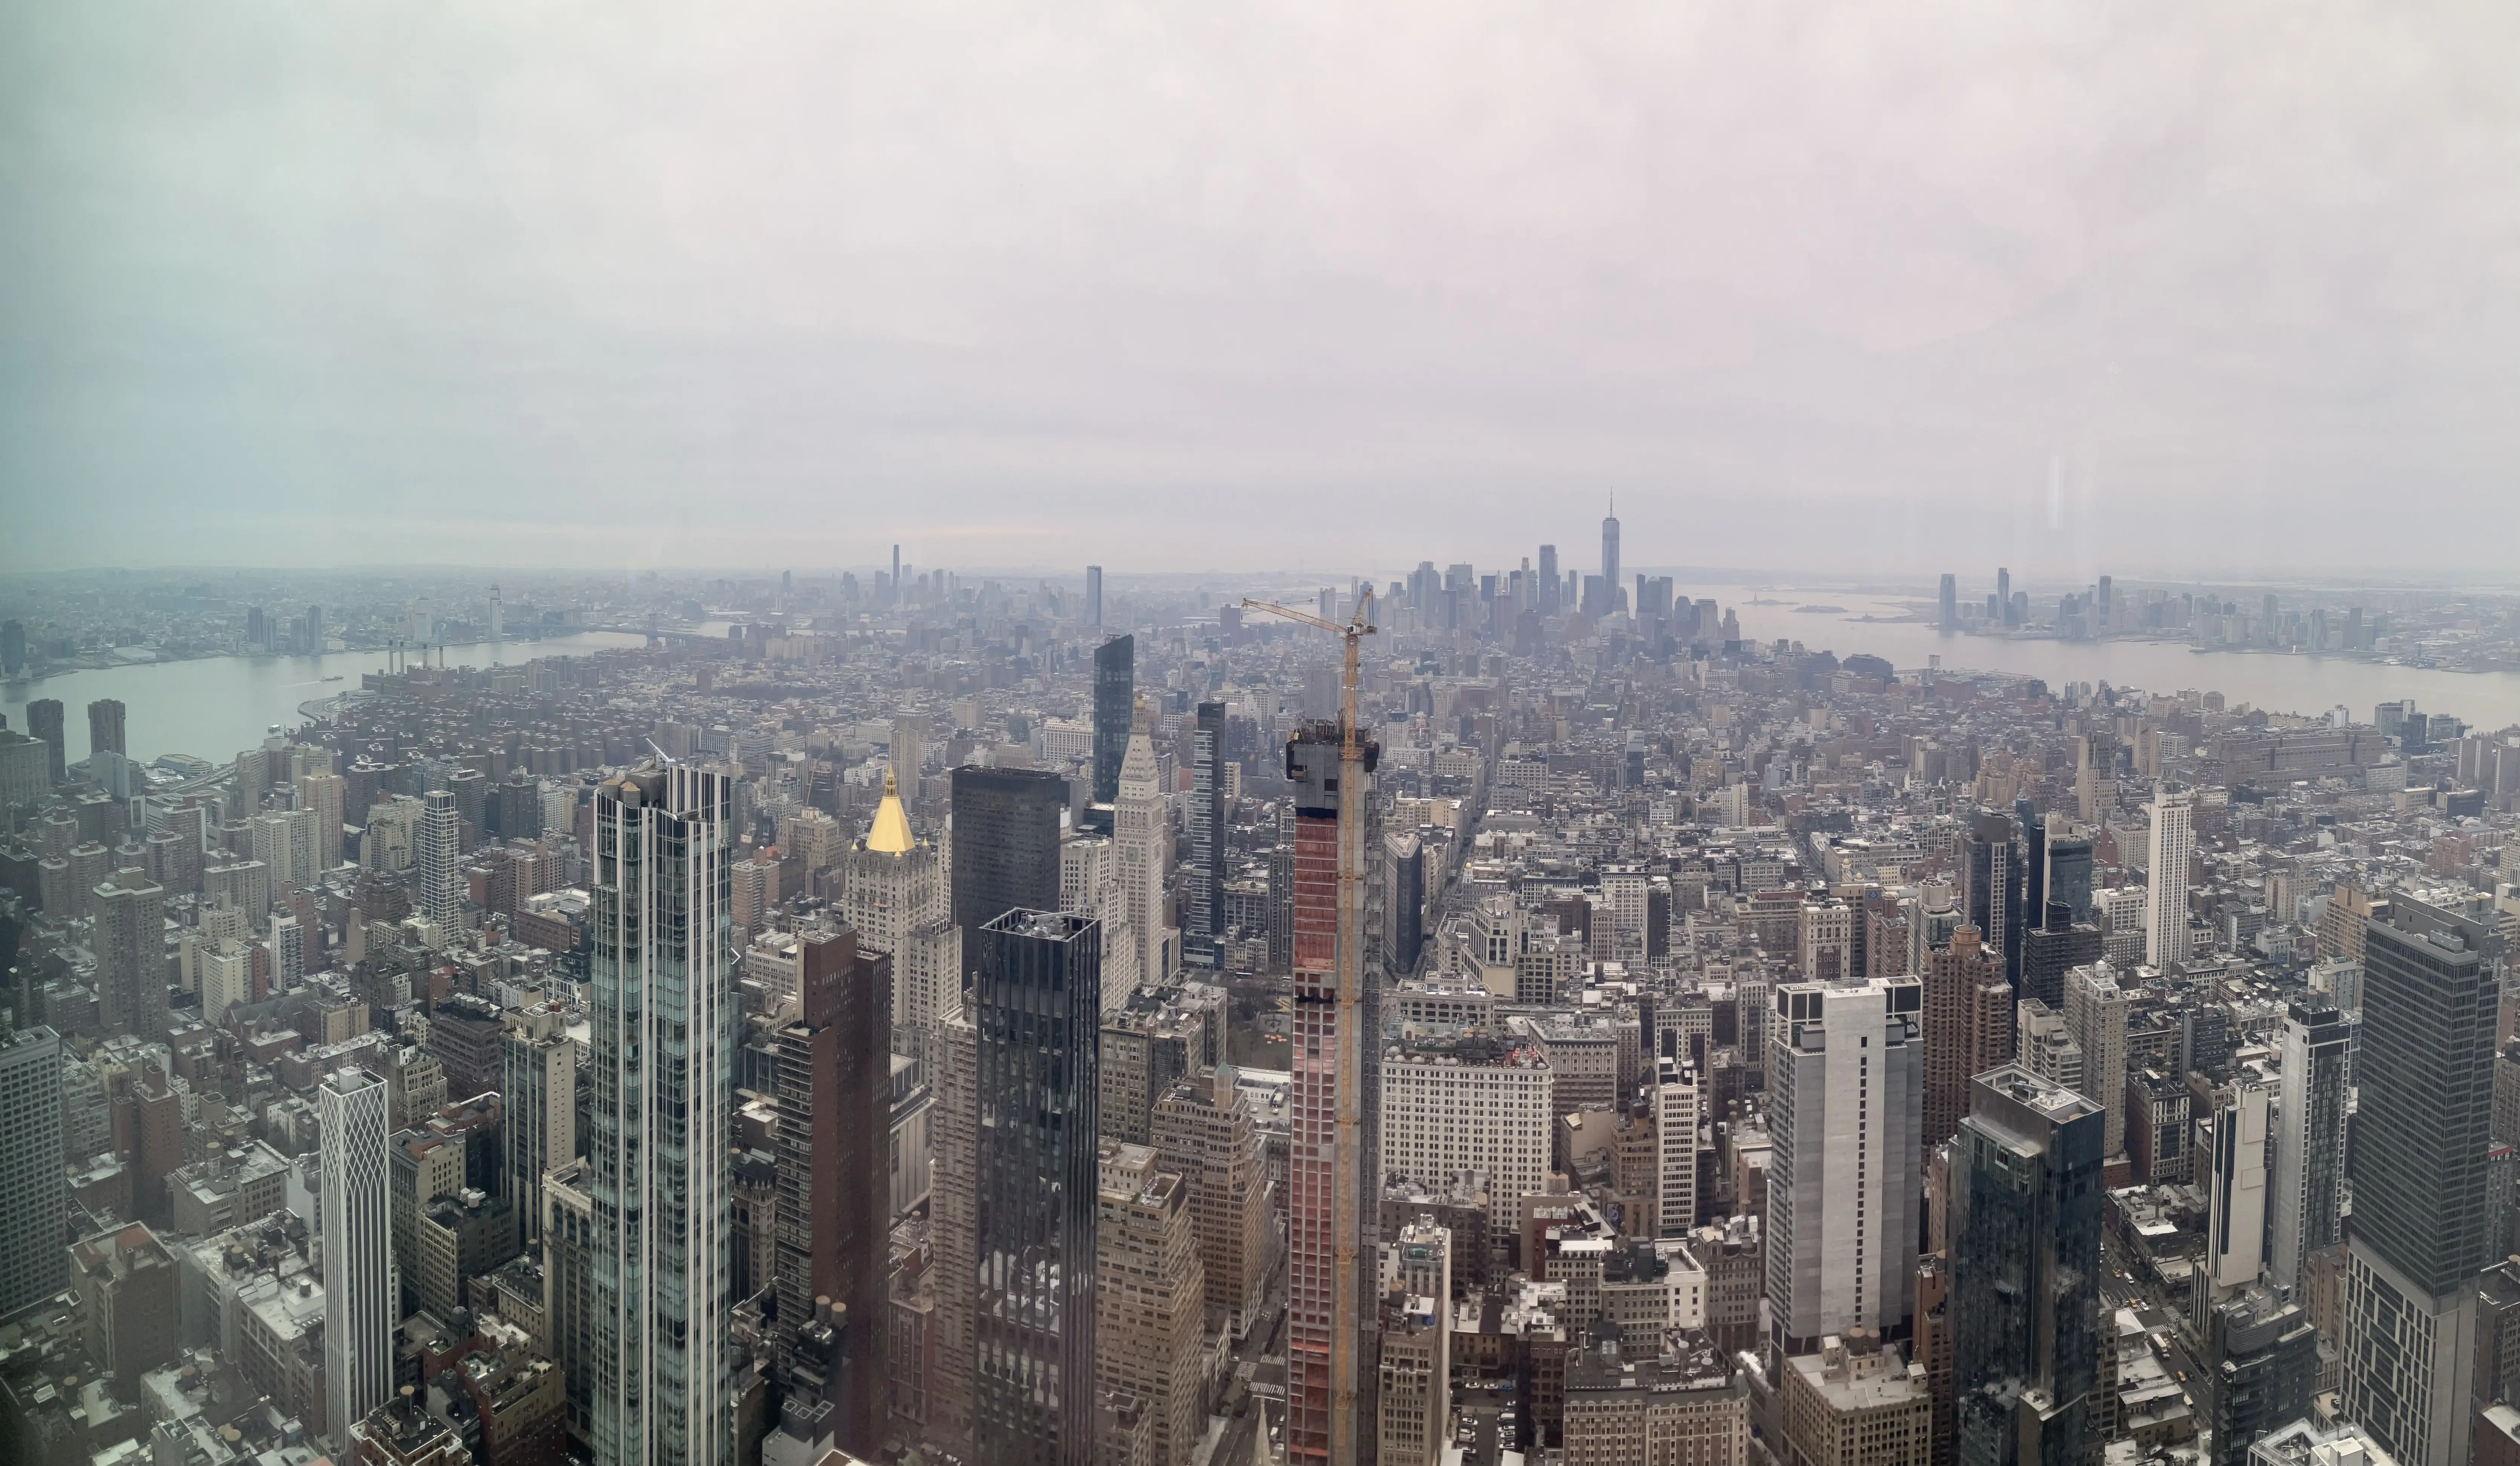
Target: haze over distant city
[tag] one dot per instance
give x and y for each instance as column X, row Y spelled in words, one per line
column 1874, row 288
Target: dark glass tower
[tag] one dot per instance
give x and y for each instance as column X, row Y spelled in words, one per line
column 1115, row 691
column 1006, row 848
column 1037, row 1006
column 2053, row 947
column 2424, row 1077
column 2069, row 873
column 2025, row 1270
column 1205, row 921
column 1990, row 881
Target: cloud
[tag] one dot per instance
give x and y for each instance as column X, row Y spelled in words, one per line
column 1250, row 285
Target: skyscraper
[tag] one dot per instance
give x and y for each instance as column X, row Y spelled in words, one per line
column 1843, row 1174
column 105, row 727
column 44, row 721
column 835, row 1193
column 1317, row 1227
column 437, row 857
column 892, row 893
column 1947, row 613
column 1037, row 1006
column 2236, row 1195
column 34, row 1192
column 1115, row 707
column 1142, row 838
column 2069, row 873
column 1550, row 585
column 1204, row 936
column 2172, row 846
column 1991, row 887
column 1006, row 848
column 130, row 942
column 1610, row 559
column 359, row 1305
column 664, row 1024
column 2310, row 1138
column 2025, row 1270
column 1151, row 1295
column 1093, row 597
column 2422, row 1126
column 319, row 798
column 1968, row 1010
column 2095, row 1013
column 538, row 1115
column 12, row 646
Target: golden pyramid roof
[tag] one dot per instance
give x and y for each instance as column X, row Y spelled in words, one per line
column 890, row 832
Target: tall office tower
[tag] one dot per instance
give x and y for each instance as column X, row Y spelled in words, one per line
column 663, row 1097
column 2236, row 1197
column 1404, row 887
column 35, row 1193
column 1204, row 940
column 2165, row 903
column 44, row 721
column 1991, row 887
column 12, row 646
column 1093, row 597
column 538, row 1116
column 2095, row 1013
column 2096, row 783
column 1282, row 908
column 1677, row 1110
column 105, row 732
column 1948, row 606
column 1204, row 1132
column 2025, row 1271
column 892, row 893
column 1549, row 585
column 1116, row 708
column 319, row 798
column 953, row 1208
column 835, row 1189
column 437, row 857
column 1843, row 1174
column 1006, row 848
column 1037, row 1008
column 2054, row 947
column 2030, row 891
column 1141, row 836
column 1316, row 1227
column 130, row 942
column 359, row 1303
column 1610, row 558
column 1413, row 1390
column 1968, row 1010
column 2069, row 873
column 1149, row 1302
column 2003, row 594
column 897, row 597
column 907, row 752
column 2309, row 1139
column 2422, row 1124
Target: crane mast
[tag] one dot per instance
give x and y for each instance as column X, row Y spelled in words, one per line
column 1347, row 1146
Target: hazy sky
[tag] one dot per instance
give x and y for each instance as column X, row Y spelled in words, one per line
column 2151, row 285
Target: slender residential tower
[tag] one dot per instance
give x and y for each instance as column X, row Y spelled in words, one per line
column 1315, row 1230
column 2309, row 1139
column 1610, row 557
column 663, row 1089
column 1204, row 936
column 359, row 1288
column 2165, row 901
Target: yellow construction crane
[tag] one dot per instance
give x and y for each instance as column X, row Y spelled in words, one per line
column 1346, row 1161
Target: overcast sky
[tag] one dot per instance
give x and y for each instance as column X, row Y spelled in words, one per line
column 2144, row 286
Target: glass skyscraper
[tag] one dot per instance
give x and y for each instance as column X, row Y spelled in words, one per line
column 1115, row 696
column 1038, row 1007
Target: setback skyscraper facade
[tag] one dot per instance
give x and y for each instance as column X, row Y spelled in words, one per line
column 664, row 1024
column 1037, row 1008
column 2025, row 1270
column 2424, row 1081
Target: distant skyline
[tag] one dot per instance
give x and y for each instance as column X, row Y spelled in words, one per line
column 1883, row 290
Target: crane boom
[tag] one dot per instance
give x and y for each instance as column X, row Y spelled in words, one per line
column 1347, row 1158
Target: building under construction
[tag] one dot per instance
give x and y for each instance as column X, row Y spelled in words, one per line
column 1314, row 1234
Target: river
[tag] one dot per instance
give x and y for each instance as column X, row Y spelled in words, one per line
column 211, row 707
column 2276, row 683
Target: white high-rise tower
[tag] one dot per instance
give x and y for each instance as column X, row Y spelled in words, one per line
column 1143, row 834
column 2173, row 847
column 359, row 1285
column 664, row 1032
